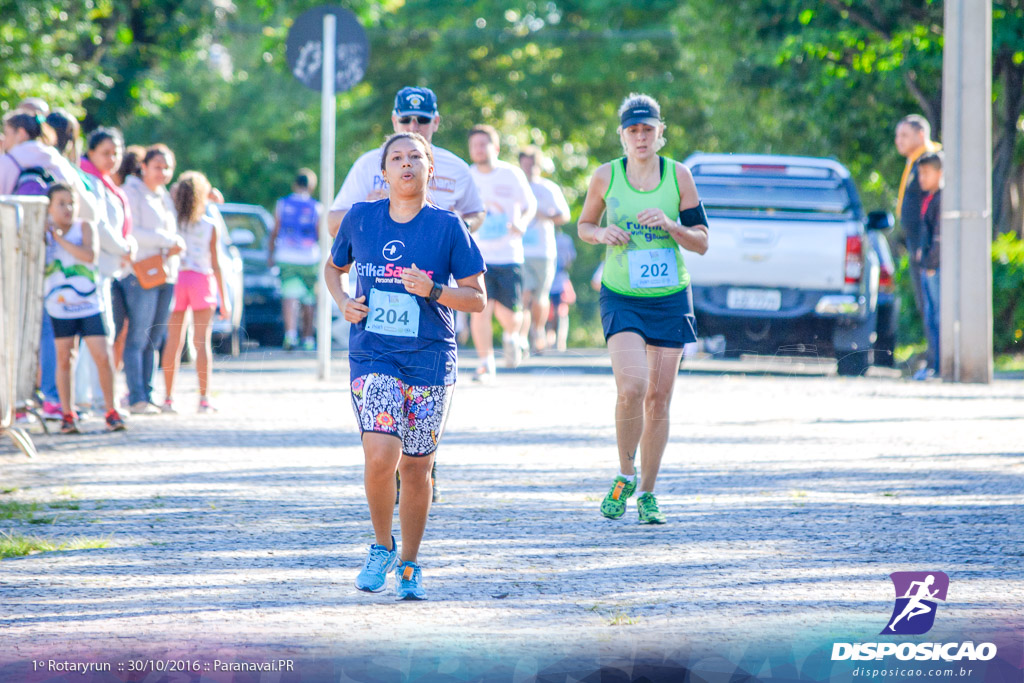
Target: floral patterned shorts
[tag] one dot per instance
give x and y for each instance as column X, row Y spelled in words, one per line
column 415, row 414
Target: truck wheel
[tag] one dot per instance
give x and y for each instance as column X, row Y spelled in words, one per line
column 854, row 363
column 885, row 353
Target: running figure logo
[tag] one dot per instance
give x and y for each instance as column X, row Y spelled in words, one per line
column 917, row 595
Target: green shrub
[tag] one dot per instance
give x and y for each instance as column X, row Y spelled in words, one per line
column 1007, row 293
column 911, row 328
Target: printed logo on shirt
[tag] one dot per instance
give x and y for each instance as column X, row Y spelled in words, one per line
column 389, row 273
column 648, row 233
column 392, row 251
column 437, row 183
column 443, row 184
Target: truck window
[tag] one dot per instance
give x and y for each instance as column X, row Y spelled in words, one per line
column 773, row 192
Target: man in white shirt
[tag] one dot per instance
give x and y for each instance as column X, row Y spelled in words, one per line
column 451, row 187
column 510, row 206
column 539, row 249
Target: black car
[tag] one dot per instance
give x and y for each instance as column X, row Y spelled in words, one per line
column 250, row 226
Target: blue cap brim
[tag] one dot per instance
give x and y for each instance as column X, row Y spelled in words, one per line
column 414, row 112
column 649, row 120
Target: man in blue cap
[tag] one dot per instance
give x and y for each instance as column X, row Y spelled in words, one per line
column 451, row 188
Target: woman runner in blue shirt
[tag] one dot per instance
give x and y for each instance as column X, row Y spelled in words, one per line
column 402, row 351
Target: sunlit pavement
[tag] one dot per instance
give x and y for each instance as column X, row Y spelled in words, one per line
column 791, row 495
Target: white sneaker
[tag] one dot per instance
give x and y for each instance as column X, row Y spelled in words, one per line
column 484, row 375
column 513, row 353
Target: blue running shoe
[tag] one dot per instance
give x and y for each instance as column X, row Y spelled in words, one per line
column 378, row 563
column 409, row 582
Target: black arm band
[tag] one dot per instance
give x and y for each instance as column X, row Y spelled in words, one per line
column 694, row 216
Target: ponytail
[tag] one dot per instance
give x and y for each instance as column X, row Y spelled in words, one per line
column 33, row 124
column 67, row 130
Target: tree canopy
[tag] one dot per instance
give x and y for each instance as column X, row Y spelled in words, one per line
column 209, row 78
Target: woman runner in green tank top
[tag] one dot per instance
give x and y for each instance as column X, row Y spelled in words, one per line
column 652, row 213
column 650, row 264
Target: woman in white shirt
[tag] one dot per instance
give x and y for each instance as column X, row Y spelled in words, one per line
column 155, row 229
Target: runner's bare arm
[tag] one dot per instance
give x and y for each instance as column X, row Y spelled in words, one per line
column 88, row 251
column 593, row 209
column 469, row 296
column 694, row 237
column 354, row 310
column 563, row 216
column 474, row 220
column 690, row 237
column 334, row 219
column 272, row 239
column 225, row 302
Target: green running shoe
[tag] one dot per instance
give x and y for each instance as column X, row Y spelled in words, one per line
column 614, row 504
column 647, row 507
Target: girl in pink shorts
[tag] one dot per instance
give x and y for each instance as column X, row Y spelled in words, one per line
column 199, row 283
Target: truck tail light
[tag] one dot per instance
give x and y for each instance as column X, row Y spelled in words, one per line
column 885, row 279
column 854, row 259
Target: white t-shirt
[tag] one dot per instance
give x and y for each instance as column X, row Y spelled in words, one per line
column 509, row 201
column 451, row 187
column 539, row 240
column 198, row 236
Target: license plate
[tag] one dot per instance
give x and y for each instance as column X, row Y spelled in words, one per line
column 754, row 299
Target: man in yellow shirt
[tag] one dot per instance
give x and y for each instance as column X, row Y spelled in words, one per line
column 913, row 139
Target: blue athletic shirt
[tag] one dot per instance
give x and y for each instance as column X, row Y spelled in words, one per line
column 297, row 240
column 409, row 337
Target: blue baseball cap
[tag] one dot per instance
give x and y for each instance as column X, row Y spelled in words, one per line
column 415, row 102
column 642, row 112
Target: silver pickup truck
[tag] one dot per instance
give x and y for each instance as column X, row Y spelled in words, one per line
column 791, row 268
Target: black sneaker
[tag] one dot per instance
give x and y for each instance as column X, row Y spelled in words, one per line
column 114, row 422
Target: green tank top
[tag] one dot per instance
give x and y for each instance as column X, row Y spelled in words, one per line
column 652, row 263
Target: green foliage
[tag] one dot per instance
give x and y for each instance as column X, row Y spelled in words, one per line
column 823, row 78
column 1008, row 294
column 94, row 56
column 911, row 327
column 16, row 545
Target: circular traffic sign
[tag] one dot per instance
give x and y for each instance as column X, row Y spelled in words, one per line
column 304, row 48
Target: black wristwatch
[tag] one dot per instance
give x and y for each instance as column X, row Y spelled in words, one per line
column 435, row 292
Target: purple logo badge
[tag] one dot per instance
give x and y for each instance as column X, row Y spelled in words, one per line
column 917, row 597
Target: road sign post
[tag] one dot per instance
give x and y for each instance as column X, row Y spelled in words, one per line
column 966, row 257
column 327, row 50
column 328, row 116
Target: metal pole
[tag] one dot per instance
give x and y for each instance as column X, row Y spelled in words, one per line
column 966, row 256
column 327, row 125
